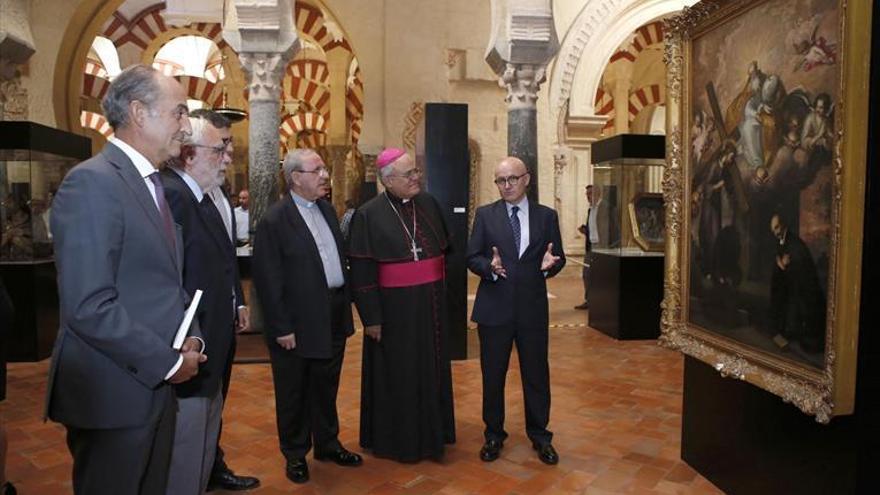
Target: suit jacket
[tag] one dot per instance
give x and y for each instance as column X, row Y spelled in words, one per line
column 121, row 298
column 209, row 264
column 523, row 294
column 290, row 281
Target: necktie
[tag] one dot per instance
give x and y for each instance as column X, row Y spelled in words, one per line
column 514, row 225
column 167, row 221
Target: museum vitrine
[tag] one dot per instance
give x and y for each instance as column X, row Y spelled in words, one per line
column 33, row 161
column 628, row 231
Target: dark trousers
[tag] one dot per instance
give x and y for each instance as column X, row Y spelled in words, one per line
column 496, row 343
column 220, row 466
column 305, row 395
column 123, row 460
column 585, row 274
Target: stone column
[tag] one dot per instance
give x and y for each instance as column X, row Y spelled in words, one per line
column 264, row 36
column 523, row 43
column 339, row 137
column 16, row 47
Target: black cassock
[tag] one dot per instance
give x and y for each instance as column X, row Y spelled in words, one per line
column 406, row 385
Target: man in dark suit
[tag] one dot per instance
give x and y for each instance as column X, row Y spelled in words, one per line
column 590, row 236
column 119, row 257
column 222, row 477
column 209, row 265
column 514, row 247
column 302, row 283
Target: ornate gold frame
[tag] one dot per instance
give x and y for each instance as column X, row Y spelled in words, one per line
column 825, row 392
column 645, row 244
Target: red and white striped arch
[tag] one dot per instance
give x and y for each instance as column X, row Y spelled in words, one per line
column 310, row 22
column 148, row 24
column 316, row 96
column 309, row 69
column 199, row 88
column 644, row 97
column 354, row 108
column 95, row 67
column 645, row 36
column 94, row 86
column 168, row 67
column 311, row 139
column 214, row 70
column 97, row 122
column 302, row 121
column 604, row 105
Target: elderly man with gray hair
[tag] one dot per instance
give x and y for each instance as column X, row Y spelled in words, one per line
column 209, row 265
column 301, row 280
column 117, row 252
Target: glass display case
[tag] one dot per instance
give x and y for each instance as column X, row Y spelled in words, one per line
column 627, row 193
column 626, row 264
column 33, row 161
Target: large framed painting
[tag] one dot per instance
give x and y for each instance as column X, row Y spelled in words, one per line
column 764, row 193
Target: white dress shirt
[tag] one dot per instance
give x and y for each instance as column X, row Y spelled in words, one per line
column 143, row 166
column 242, row 224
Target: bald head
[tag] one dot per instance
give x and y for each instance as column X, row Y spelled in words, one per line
column 512, row 178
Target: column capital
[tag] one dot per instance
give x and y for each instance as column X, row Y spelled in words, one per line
column 263, row 33
column 522, row 82
column 265, row 72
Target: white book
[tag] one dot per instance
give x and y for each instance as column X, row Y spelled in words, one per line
column 183, row 329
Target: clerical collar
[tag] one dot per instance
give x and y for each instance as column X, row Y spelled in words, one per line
column 396, row 199
column 299, row 200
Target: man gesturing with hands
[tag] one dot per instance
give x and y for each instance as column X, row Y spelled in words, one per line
column 514, row 247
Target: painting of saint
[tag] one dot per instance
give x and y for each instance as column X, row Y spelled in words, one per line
column 761, row 136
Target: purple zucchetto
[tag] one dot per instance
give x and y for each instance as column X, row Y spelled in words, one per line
column 388, row 156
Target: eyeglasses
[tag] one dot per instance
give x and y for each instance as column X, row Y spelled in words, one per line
column 217, row 150
column 317, row 171
column 512, row 180
column 410, row 174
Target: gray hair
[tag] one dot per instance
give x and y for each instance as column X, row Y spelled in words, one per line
column 216, row 119
column 293, row 162
column 384, row 172
column 138, row 82
column 199, row 125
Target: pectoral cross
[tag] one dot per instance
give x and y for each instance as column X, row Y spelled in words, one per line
column 415, row 251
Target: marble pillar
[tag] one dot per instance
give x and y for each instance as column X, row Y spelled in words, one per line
column 264, row 72
column 522, row 82
column 264, row 36
column 16, row 47
column 523, row 41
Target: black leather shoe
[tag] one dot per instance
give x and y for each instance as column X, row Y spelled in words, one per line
column 342, row 457
column 227, row 480
column 298, row 471
column 8, row 489
column 491, row 450
column 546, row 453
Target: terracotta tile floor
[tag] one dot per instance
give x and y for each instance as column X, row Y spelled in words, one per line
column 616, row 416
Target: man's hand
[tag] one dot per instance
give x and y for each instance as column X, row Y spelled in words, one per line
column 287, row 341
column 549, row 259
column 244, row 319
column 496, row 265
column 190, row 366
column 192, row 344
column 374, row 332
